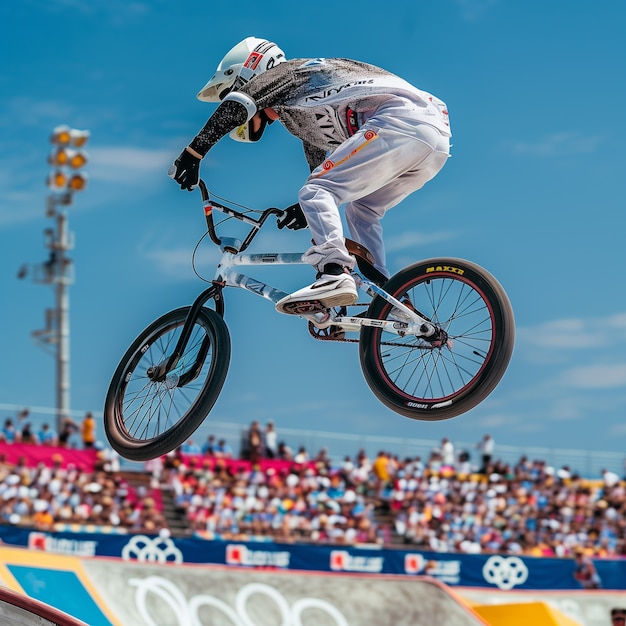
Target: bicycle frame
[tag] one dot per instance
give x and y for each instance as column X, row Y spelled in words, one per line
column 234, row 255
column 433, row 350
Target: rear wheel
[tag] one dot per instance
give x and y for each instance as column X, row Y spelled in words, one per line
column 146, row 416
column 454, row 371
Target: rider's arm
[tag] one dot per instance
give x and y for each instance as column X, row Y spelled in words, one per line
column 266, row 90
column 229, row 115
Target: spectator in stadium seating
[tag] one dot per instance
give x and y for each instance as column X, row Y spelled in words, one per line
column 302, row 456
column 464, row 465
column 88, row 430
column 381, row 470
column 323, row 457
column 255, row 442
column 486, row 446
column 271, row 440
column 284, row 452
column 618, row 616
column 47, row 436
column 609, row 478
column 68, row 428
column 42, row 518
column 208, row 448
column 9, row 433
column 447, row 452
column 223, row 450
column 190, row 447
column 584, row 570
column 362, row 472
column 28, row 436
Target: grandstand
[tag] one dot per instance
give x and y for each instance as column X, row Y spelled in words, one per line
column 401, row 512
column 524, row 506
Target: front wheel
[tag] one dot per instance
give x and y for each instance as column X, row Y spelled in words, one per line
column 147, row 416
column 443, row 378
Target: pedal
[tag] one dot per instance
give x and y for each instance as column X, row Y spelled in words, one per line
column 304, row 308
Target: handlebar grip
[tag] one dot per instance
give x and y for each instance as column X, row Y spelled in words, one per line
column 203, row 190
column 208, row 213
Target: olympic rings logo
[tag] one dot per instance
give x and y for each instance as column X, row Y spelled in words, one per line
column 157, row 550
column 187, row 611
column 505, row 572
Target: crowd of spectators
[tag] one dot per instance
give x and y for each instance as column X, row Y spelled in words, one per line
column 48, row 495
column 442, row 503
column 53, row 493
column 525, row 508
column 71, row 433
column 285, row 500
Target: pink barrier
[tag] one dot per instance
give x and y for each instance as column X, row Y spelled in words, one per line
column 32, row 455
column 233, row 465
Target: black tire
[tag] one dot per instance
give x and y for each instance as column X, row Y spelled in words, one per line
column 144, row 419
column 424, row 381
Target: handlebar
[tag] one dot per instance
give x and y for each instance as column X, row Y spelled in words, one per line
column 209, row 205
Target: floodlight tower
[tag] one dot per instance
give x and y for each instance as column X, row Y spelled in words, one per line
column 67, row 160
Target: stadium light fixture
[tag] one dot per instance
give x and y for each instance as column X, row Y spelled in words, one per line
column 63, row 135
column 65, row 178
column 77, row 182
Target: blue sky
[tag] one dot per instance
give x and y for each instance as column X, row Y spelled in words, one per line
column 534, row 192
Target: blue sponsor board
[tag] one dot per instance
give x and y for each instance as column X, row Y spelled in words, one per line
column 468, row 570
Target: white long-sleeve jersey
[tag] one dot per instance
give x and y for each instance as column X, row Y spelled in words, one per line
column 319, row 101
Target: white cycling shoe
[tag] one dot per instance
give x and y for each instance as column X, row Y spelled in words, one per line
column 327, row 291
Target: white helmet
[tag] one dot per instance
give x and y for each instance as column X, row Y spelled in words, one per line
column 247, row 59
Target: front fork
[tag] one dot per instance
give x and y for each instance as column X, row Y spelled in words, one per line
column 158, row 373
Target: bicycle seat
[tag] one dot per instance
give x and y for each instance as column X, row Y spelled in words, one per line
column 365, row 262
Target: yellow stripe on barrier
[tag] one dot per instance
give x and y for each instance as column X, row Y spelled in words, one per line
column 524, row 613
column 44, row 560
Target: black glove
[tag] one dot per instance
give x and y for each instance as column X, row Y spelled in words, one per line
column 186, row 170
column 292, row 218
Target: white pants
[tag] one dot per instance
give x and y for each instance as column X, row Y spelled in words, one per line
column 393, row 154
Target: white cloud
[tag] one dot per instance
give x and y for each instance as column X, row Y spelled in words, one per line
column 618, row 430
column 575, row 334
column 559, row 144
column 497, row 420
column 473, row 10
column 414, row 239
column 175, row 261
column 22, row 114
column 125, row 163
column 597, row 376
column 566, row 407
column 116, row 10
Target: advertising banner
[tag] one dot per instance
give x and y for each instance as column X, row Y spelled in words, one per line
column 503, row 572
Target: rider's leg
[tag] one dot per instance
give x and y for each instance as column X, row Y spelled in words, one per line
column 363, row 215
column 381, row 152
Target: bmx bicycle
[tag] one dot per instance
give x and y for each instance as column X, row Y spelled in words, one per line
column 434, row 340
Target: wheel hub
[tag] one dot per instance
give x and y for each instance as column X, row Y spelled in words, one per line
column 171, row 381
